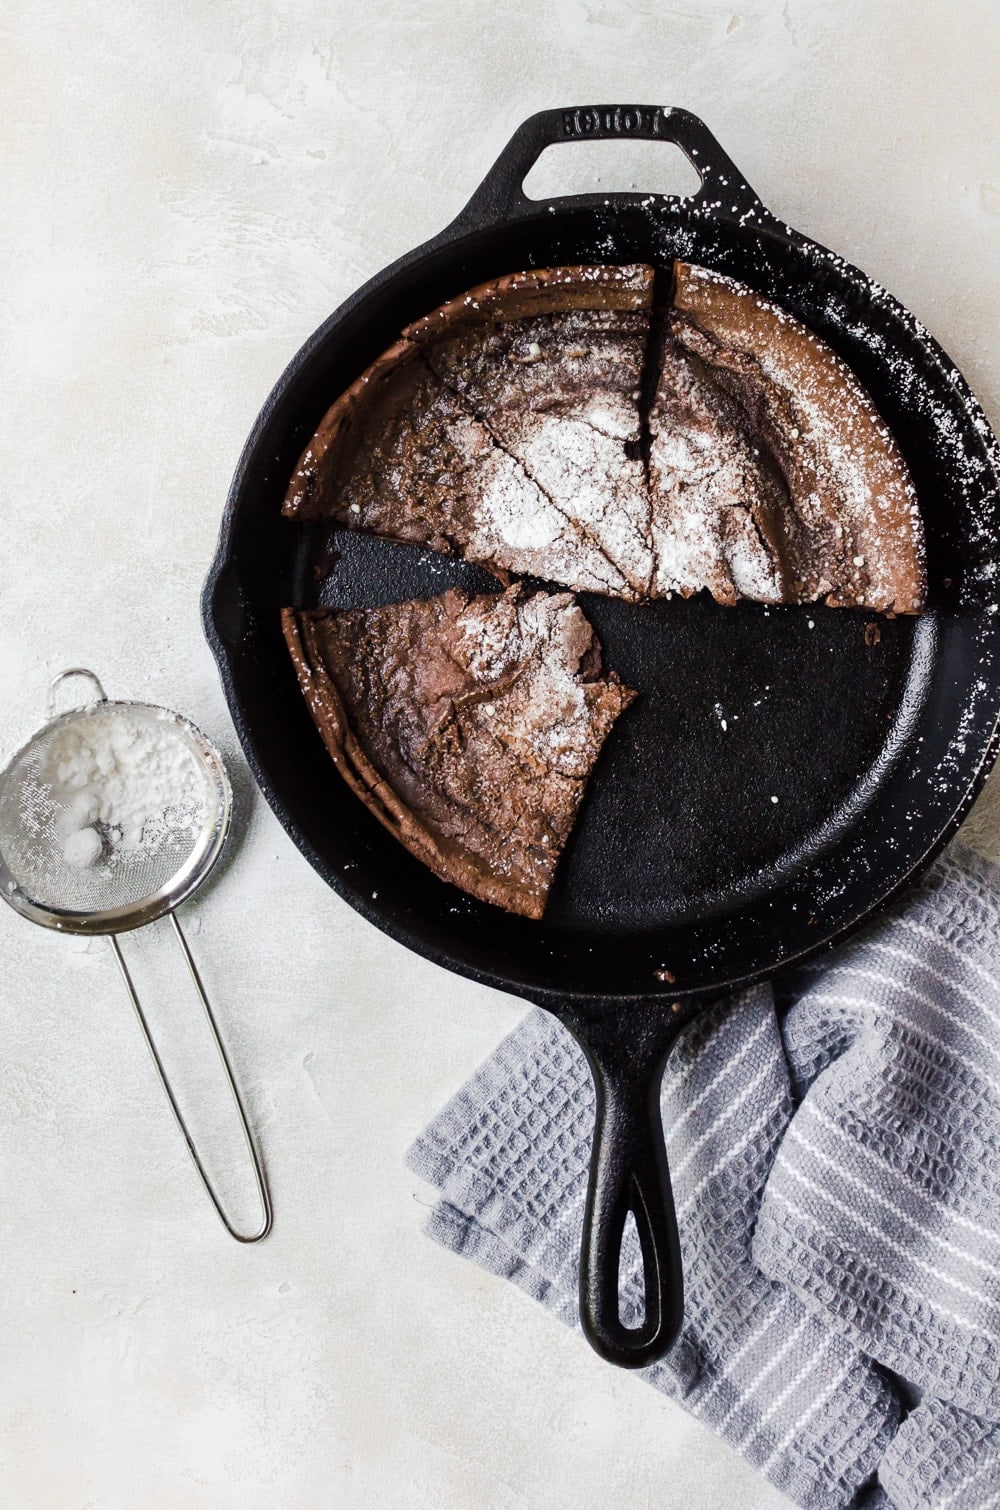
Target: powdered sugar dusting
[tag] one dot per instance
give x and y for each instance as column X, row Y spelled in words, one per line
column 560, row 392
column 774, row 476
column 705, row 475
column 546, row 714
column 593, row 482
column 120, row 783
column 514, row 523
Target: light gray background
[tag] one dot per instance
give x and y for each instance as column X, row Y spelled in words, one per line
column 189, row 189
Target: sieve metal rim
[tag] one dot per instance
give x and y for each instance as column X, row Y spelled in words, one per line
column 204, row 853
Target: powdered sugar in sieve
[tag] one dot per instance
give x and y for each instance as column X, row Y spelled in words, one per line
column 110, row 815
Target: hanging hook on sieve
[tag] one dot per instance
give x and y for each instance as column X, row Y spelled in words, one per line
column 57, row 681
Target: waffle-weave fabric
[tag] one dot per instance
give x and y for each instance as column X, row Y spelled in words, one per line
column 834, row 1144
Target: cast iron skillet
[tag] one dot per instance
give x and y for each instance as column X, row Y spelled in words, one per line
column 783, row 773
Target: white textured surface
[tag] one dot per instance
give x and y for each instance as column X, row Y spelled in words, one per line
column 189, row 189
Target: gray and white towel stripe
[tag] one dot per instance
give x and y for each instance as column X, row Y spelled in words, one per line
column 836, row 1167
column 883, row 1206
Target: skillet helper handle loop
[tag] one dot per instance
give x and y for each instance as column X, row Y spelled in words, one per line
column 723, row 192
column 628, row 1173
column 263, row 1195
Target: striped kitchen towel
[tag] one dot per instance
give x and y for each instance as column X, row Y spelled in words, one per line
column 835, row 1150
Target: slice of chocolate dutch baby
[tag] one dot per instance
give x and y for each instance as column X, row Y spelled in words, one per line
column 469, row 726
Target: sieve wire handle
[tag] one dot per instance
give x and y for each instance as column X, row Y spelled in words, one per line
column 262, row 1190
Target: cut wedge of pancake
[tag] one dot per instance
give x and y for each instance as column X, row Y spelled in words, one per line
column 772, row 475
column 557, row 381
column 407, row 454
column 468, row 725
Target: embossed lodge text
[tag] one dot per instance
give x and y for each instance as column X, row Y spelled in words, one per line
column 615, row 120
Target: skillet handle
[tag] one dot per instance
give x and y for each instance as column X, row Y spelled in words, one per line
column 628, row 1173
column 724, row 191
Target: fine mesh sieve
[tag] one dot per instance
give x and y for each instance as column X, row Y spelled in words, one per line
column 79, row 853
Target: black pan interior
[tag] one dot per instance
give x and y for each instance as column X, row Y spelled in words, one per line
column 784, row 770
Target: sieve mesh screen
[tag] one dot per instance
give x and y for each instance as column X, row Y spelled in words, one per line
column 174, row 842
